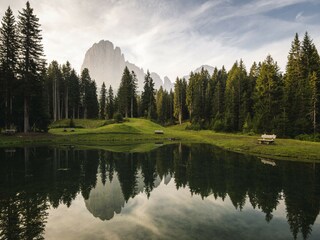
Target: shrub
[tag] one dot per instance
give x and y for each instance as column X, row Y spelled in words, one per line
column 72, row 124
column 218, row 126
column 118, row 118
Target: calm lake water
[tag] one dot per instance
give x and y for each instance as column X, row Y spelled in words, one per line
column 172, row 192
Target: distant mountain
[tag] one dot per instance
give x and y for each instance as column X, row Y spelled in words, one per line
column 209, row 68
column 106, row 64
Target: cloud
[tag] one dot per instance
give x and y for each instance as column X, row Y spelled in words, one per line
column 173, row 37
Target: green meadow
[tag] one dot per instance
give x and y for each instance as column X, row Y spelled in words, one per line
column 137, row 135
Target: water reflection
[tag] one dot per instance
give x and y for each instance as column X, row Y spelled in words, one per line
column 34, row 179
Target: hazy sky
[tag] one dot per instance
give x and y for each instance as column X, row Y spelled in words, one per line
column 173, row 37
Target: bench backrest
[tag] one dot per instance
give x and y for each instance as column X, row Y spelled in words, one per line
column 266, row 136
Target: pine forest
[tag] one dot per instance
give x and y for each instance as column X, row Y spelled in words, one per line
column 259, row 99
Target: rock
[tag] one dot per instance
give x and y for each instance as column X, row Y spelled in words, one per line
column 168, row 85
column 106, row 64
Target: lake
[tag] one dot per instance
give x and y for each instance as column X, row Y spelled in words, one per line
column 174, row 191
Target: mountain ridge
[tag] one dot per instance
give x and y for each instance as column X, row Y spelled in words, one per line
column 106, row 63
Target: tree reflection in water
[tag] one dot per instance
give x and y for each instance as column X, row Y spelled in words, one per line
column 33, row 179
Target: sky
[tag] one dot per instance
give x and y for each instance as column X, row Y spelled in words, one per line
column 174, row 37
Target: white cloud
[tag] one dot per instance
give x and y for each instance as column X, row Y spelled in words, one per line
column 172, row 37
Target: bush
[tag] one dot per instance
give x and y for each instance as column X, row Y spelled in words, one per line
column 218, row 126
column 118, row 118
column 309, row 137
column 194, row 126
column 72, row 124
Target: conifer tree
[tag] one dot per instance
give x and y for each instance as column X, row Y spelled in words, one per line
column 102, row 102
column 180, row 90
column 235, row 98
column 219, row 79
column 110, row 103
column 268, row 95
column 8, row 66
column 197, row 97
column 127, row 93
column 148, row 97
column 31, row 60
column 160, row 104
column 54, row 79
column 92, row 101
column 314, row 101
column 74, row 94
column 85, row 82
column 296, row 91
column 190, row 95
column 66, row 79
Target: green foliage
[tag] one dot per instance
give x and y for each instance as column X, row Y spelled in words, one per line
column 218, row 125
column 110, row 103
column 102, row 102
column 127, row 103
column 268, row 91
column 148, row 105
column 236, row 97
column 88, row 93
column 197, row 97
column 118, row 118
column 164, row 104
column 72, row 124
column 180, row 108
column 309, row 137
column 303, row 60
column 8, row 67
column 31, row 67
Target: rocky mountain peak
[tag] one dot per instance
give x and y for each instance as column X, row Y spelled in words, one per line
column 106, row 64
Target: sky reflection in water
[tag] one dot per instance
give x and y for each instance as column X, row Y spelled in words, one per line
column 175, row 192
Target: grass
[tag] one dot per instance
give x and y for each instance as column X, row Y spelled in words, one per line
column 125, row 136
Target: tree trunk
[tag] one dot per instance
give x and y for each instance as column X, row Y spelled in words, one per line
column 54, row 100
column 58, row 102
column 131, row 107
column 67, row 104
column 25, row 115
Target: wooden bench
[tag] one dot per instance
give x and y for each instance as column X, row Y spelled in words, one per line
column 267, row 139
column 9, row 131
column 158, row 132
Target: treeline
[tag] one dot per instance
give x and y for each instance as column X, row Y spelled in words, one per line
column 261, row 100
column 33, row 95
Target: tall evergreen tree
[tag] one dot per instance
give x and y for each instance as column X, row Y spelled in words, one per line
column 314, row 101
column 160, row 98
column 296, row 91
column 148, row 97
column 127, row 93
column 110, row 103
column 8, row 66
column 196, row 96
column 102, row 101
column 180, row 108
column 31, row 60
column 85, row 82
column 66, row 77
column 74, row 94
column 92, row 101
column 54, row 79
column 268, row 95
column 236, row 98
column 219, row 80
column 310, row 62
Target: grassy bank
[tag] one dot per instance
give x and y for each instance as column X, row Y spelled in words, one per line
column 98, row 135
